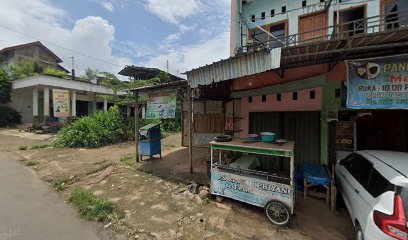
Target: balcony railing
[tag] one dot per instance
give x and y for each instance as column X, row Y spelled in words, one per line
column 343, row 31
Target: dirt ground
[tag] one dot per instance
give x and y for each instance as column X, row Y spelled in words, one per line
column 153, row 194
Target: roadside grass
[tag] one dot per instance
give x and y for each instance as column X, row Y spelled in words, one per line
column 93, row 208
column 40, row 146
column 31, row 163
column 60, row 185
column 34, row 147
column 128, row 160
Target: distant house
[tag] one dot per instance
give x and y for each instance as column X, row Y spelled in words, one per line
column 35, row 50
column 33, row 96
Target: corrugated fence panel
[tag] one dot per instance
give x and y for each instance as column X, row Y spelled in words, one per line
column 301, row 127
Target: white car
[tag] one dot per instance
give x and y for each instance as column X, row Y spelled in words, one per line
column 374, row 186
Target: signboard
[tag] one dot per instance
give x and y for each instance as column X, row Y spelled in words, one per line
column 254, row 191
column 161, row 105
column 61, row 103
column 380, row 83
column 345, row 140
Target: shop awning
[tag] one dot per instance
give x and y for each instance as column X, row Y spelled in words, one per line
column 235, row 67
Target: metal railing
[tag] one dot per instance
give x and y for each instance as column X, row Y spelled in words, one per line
column 372, row 25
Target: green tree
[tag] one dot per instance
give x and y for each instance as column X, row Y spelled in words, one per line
column 25, row 68
column 5, row 86
column 111, row 81
column 90, row 74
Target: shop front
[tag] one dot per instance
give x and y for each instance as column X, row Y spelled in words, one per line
column 376, row 106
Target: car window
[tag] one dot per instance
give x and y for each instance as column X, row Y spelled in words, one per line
column 360, row 168
column 378, row 184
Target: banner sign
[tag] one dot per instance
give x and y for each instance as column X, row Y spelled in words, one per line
column 251, row 190
column 380, row 83
column 345, row 136
column 61, row 103
column 161, row 105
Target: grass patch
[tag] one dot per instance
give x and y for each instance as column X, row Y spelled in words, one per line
column 60, row 185
column 93, row 208
column 22, row 148
column 128, row 160
column 40, row 146
column 31, row 163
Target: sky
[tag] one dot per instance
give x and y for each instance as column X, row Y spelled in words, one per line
column 108, row 34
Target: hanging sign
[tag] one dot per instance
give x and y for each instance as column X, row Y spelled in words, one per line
column 380, row 83
column 345, row 140
column 61, row 102
column 161, row 105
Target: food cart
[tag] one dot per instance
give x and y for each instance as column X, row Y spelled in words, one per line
column 243, row 179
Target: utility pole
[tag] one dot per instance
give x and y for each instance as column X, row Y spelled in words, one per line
column 73, row 68
column 167, row 66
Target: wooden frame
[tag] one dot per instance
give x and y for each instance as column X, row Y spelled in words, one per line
column 382, row 12
column 364, row 5
column 309, row 15
column 267, row 28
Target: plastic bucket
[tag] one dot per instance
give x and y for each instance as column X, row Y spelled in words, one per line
column 268, row 136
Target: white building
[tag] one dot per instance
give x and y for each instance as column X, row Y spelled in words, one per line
column 32, row 96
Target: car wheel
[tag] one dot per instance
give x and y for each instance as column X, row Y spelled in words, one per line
column 277, row 212
column 359, row 233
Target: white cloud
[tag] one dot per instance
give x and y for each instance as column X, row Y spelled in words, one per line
column 91, row 35
column 108, row 6
column 184, row 58
column 175, row 10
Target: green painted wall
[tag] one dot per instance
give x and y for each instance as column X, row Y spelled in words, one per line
column 329, row 100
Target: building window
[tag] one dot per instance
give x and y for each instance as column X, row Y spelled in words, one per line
column 272, row 12
column 263, row 15
column 284, row 9
column 263, row 98
column 312, row 94
column 295, row 96
column 395, row 13
column 278, row 97
column 337, row 93
column 249, row 99
column 253, row 18
column 304, row 3
column 279, row 31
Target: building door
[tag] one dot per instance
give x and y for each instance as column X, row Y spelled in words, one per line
column 313, row 27
column 301, row 127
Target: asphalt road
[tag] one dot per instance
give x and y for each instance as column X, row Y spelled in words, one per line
column 30, row 210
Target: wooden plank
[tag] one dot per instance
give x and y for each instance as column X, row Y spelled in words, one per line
column 190, row 127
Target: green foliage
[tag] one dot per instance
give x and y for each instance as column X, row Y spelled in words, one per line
column 23, row 148
column 5, row 87
column 54, row 72
column 8, row 116
column 111, row 81
column 100, row 129
column 60, row 185
column 31, row 163
column 90, row 74
column 128, row 159
column 25, row 69
column 93, row 208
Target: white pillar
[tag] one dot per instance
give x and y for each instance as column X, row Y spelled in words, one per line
column 46, row 102
column 35, row 102
column 105, row 105
column 73, row 105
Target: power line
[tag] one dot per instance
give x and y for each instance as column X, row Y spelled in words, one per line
column 59, row 46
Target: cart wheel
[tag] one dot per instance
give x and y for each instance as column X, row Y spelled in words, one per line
column 277, row 212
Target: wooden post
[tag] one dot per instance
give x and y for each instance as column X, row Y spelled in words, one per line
column 137, row 125
column 190, row 128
